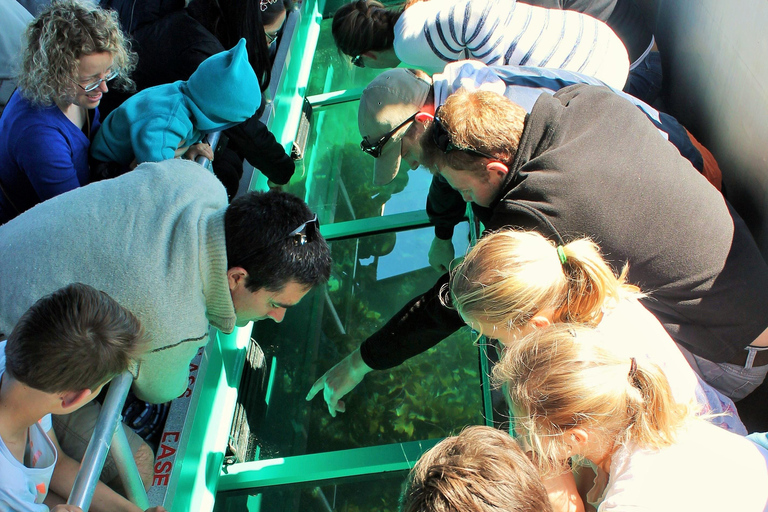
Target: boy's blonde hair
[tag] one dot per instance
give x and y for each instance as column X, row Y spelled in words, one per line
column 569, row 376
column 510, row 276
column 480, row 470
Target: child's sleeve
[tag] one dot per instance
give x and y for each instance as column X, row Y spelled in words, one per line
column 157, row 138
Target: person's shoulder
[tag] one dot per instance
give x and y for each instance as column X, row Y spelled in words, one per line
column 185, row 176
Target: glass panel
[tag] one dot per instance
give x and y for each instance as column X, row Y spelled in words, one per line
column 430, row 396
column 371, row 493
column 332, row 70
column 336, row 178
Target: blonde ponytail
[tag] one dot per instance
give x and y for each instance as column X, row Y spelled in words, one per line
column 510, row 276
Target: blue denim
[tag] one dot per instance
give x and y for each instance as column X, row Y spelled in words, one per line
column 646, row 78
column 734, row 381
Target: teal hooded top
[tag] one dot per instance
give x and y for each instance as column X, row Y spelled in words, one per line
column 153, row 123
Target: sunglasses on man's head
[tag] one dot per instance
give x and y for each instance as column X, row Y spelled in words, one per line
column 302, row 234
column 374, row 148
column 442, row 140
column 305, row 233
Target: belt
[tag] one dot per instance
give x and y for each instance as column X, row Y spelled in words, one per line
column 761, row 357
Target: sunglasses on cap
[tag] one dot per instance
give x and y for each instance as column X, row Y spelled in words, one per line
column 374, row 148
column 442, row 140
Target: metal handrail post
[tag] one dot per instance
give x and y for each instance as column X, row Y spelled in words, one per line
column 96, row 453
column 128, row 471
column 213, row 140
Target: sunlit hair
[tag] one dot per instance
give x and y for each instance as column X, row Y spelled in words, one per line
column 73, row 339
column 361, row 26
column 568, row 376
column 510, row 276
column 482, row 120
column 480, row 470
column 62, row 33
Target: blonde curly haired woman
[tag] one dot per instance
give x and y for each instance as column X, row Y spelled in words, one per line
column 72, row 50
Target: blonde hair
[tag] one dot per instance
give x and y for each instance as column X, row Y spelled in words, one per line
column 480, row 470
column 510, row 276
column 569, row 376
column 61, row 34
column 480, row 120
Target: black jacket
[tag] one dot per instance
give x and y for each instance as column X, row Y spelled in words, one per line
column 170, row 46
column 590, row 164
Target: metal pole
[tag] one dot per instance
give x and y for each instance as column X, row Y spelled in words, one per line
column 212, row 139
column 96, row 453
column 126, row 468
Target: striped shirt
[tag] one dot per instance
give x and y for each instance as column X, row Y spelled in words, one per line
column 430, row 34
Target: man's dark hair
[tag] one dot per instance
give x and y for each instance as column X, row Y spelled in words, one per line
column 73, row 339
column 257, row 226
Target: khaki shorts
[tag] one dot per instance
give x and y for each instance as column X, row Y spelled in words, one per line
column 74, row 432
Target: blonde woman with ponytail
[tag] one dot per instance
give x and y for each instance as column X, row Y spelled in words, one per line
column 514, row 282
column 578, row 394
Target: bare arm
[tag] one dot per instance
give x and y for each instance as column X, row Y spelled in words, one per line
column 104, row 498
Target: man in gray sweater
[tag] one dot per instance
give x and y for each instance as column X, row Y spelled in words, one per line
column 164, row 243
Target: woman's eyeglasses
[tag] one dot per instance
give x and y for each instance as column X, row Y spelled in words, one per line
column 442, row 140
column 271, row 36
column 357, row 60
column 374, row 148
column 95, row 85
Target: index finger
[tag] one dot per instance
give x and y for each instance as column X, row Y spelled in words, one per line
column 317, row 386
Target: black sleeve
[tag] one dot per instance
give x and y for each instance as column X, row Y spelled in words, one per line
column 255, row 143
column 420, row 325
column 445, row 207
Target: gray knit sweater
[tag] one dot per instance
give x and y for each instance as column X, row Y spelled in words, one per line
column 153, row 239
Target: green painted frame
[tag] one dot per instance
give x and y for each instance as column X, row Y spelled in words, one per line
column 194, row 483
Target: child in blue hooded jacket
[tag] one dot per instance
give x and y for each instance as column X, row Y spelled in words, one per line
column 161, row 122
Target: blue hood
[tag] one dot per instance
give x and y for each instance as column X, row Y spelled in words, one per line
column 224, row 90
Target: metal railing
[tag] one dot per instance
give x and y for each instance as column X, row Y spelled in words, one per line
column 109, row 431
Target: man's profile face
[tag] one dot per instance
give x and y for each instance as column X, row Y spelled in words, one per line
column 481, row 188
column 411, row 151
column 262, row 304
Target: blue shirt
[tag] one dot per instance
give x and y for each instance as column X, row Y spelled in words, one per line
column 42, row 154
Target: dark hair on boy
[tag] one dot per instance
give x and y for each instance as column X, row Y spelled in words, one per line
column 256, row 227
column 480, row 470
column 73, row 339
column 361, row 26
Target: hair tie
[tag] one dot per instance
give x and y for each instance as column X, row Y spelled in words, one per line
column 561, row 254
column 632, row 369
column 263, row 4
